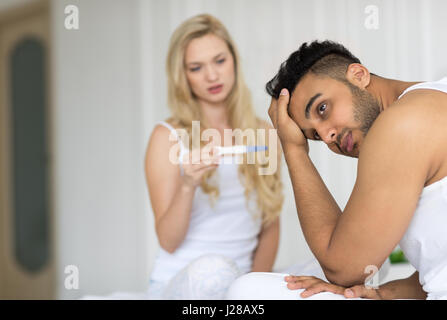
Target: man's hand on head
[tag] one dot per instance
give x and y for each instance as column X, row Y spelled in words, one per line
column 289, row 132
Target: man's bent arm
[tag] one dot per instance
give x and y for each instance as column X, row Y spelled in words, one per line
column 317, row 210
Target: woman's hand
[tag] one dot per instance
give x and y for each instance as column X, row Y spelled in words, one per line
column 196, row 163
column 313, row 285
column 289, row 132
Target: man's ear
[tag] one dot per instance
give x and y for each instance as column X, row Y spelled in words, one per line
column 358, row 75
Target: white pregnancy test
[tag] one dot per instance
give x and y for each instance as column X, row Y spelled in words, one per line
column 239, row 149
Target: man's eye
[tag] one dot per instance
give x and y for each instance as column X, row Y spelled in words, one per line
column 322, row 108
column 316, row 136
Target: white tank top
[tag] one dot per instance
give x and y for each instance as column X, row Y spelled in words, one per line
column 227, row 228
column 425, row 241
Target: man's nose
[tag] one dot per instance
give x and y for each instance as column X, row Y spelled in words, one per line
column 330, row 136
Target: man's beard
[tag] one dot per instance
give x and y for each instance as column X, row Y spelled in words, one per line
column 366, row 107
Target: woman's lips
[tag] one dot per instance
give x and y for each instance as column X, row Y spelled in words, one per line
column 216, row 89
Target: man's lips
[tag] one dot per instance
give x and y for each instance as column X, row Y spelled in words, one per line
column 347, row 143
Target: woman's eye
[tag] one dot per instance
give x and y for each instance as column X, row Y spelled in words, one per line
column 194, row 69
column 220, row 61
column 322, row 108
column 316, row 136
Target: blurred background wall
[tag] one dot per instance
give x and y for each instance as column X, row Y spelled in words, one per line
column 108, row 89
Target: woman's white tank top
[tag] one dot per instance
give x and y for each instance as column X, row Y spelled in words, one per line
column 227, row 228
column 425, row 241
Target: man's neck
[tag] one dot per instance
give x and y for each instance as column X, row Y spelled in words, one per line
column 387, row 91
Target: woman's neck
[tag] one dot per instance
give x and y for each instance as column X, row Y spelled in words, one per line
column 216, row 115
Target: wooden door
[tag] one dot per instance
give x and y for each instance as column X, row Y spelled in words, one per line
column 26, row 207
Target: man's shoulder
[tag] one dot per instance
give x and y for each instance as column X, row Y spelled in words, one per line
column 404, row 126
column 416, row 110
column 399, row 120
column 410, row 136
column 421, row 101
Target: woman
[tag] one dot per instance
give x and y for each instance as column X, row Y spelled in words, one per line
column 214, row 219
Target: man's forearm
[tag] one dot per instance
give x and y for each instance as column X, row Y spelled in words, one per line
column 317, row 210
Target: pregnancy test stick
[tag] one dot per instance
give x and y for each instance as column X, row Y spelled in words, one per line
column 240, row 149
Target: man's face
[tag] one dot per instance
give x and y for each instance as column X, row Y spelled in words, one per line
column 340, row 114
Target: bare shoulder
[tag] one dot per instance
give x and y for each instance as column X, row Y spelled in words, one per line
column 424, row 97
column 162, row 132
column 426, row 104
column 161, row 139
column 414, row 116
column 411, row 130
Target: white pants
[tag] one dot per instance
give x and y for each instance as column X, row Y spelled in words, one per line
column 207, row 277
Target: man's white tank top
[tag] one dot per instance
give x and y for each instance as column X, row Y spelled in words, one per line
column 425, row 241
column 228, row 227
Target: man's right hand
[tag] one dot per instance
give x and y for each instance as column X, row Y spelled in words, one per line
column 314, row 285
column 288, row 131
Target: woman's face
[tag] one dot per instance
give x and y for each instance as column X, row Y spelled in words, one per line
column 209, row 67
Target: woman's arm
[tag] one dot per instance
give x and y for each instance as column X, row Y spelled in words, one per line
column 265, row 254
column 170, row 193
column 171, row 201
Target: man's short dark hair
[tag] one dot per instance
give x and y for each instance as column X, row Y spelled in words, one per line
column 321, row 58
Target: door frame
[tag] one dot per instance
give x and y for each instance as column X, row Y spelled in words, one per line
column 16, row 283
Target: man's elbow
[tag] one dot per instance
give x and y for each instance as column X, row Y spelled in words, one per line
column 343, row 277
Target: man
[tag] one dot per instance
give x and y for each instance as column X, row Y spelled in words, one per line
column 323, row 92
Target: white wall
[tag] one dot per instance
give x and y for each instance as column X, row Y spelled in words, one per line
column 100, row 190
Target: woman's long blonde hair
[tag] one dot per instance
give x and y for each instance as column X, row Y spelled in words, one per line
column 185, row 109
